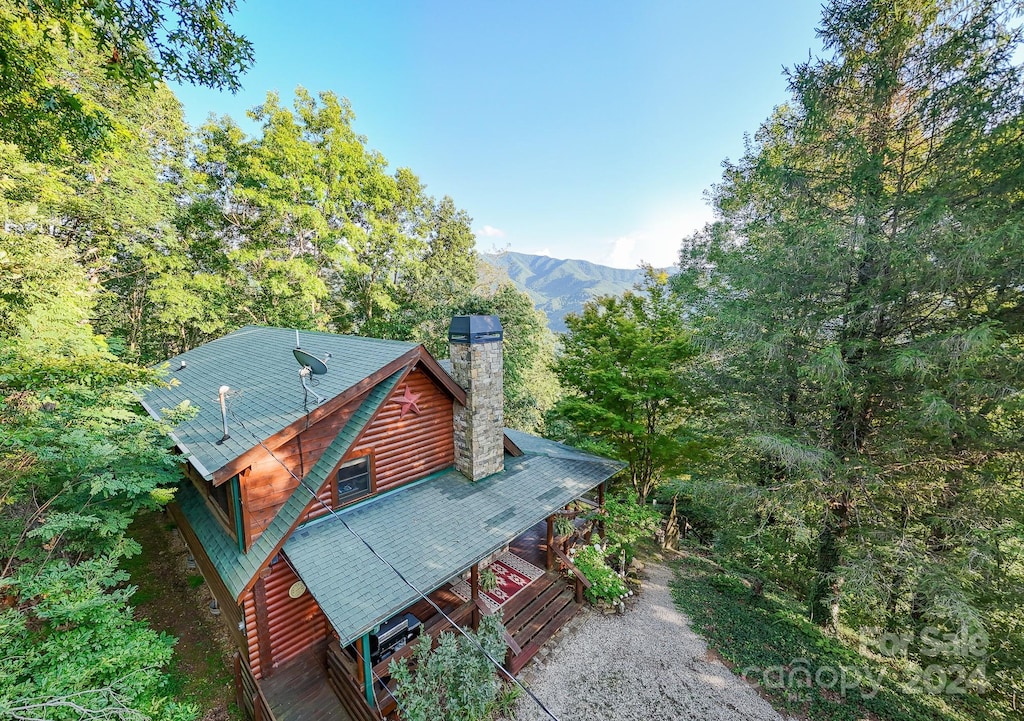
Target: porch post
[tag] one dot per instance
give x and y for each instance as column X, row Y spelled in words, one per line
column 367, row 671
column 551, row 543
column 474, row 594
column 600, row 503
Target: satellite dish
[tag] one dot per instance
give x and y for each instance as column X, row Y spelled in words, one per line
column 316, row 366
column 307, row 360
column 311, row 366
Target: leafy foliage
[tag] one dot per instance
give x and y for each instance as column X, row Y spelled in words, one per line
column 605, row 584
column 455, row 681
column 77, row 461
column 624, row 368
column 133, row 44
column 861, row 295
column 626, row 523
column 300, row 226
column 72, row 649
column 530, row 387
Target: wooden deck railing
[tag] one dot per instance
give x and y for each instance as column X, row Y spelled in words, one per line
column 248, row 693
column 341, row 674
column 581, row 580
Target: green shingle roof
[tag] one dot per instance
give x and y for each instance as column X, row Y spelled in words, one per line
column 267, row 396
column 433, row 530
column 236, row 569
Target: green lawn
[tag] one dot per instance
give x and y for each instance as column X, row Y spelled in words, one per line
column 768, row 640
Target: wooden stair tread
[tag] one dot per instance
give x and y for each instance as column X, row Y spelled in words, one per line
column 544, row 635
column 526, row 633
column 514, row 623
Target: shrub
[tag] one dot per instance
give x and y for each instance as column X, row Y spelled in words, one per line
column 628, row 521
column 729, row 585
column 455, row 681
column 605, row 584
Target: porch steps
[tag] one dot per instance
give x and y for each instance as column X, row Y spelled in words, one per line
column 534, row 622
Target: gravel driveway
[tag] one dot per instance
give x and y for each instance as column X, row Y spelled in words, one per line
column 646, row 664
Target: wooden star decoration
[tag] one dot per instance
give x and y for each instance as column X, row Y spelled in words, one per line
column 408, row 401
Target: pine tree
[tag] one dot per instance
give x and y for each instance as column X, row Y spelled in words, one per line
column 866, row 280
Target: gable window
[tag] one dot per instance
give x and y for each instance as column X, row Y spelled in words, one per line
column 353, row 481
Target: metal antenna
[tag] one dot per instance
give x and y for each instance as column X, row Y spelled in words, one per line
column 304, row 374
column 224, row 412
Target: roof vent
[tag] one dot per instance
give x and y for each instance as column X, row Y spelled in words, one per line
column 223, row 393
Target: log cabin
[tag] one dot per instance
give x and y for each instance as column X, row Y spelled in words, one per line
column 341, row 495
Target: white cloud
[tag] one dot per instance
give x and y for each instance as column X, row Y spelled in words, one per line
column 657, row 242
column 489, row 231
column 622, row 253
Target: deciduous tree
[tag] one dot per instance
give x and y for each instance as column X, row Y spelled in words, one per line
column 624, row 370
column 138, row 44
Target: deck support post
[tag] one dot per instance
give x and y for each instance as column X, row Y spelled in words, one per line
column 550, row 562
column 367, row 671
column 474, row 594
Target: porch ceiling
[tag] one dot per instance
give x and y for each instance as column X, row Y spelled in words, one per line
column 433, row 530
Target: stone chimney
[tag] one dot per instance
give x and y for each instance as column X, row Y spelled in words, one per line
column 475, row 343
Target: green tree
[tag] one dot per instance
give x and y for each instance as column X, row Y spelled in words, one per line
column 864, row 287
column 624, row 368
column 304, row 226
column 137, row 44
column 431, row 290
column 77, row 461
column 529, row 346
column 277, row 207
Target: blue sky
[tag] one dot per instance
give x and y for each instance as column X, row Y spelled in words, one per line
column 573, row 129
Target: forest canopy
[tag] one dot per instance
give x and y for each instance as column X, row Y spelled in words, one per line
column 862, row 293
column 127, row 237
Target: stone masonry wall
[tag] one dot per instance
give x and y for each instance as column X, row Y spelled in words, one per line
column 479, row 425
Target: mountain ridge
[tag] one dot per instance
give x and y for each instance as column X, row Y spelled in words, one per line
column 561, row 286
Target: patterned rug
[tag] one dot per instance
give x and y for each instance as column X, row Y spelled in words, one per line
column 514, row 574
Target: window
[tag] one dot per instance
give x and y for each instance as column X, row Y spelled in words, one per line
column 224, row 502
column 353, row 481
column 221, row 496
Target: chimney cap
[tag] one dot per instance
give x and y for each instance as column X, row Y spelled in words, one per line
column 473, row 329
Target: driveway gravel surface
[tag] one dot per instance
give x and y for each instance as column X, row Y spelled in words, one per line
column 646, row 664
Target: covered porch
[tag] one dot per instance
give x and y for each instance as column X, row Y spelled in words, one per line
column 365, row 567
column 329, row 683
column 531, row 617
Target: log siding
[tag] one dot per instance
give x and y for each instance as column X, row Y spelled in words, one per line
column 279, row 627
column 407, row 449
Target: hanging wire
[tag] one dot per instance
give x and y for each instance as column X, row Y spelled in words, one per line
column 501, row 669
